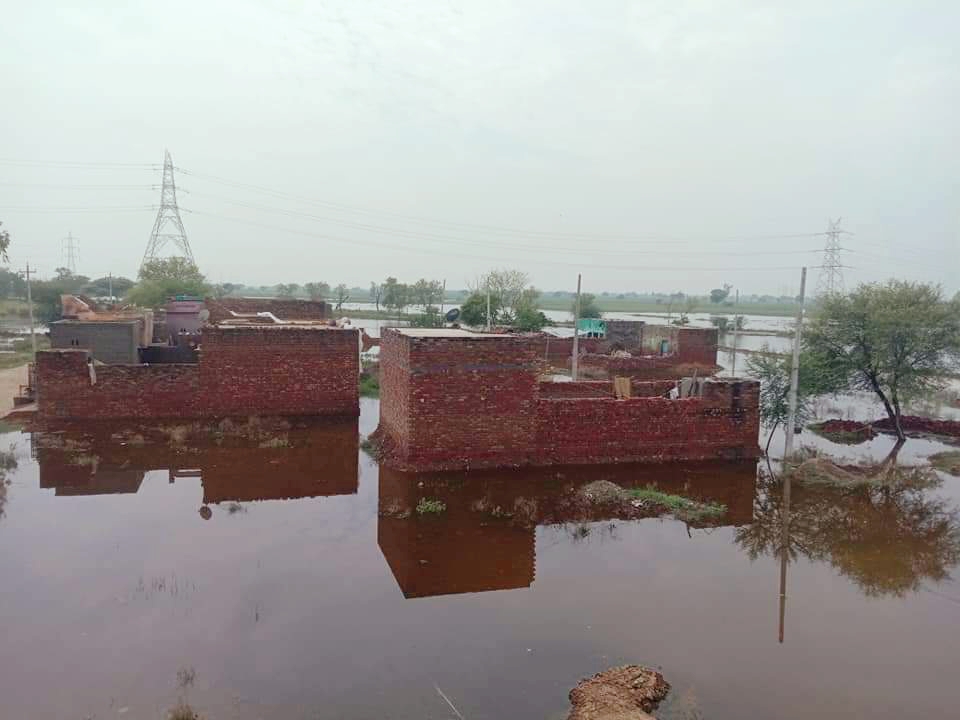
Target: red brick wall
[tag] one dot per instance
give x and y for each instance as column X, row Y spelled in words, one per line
column 478, row 393
column 242, row 371
column 285, row 309
column 717, row 425
column 697, row 345
column 280, row 371
column 471, row 402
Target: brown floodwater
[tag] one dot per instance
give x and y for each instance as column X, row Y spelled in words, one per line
column 270, row 570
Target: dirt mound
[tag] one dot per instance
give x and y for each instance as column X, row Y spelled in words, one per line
column 912, row 423
column 603, row 491
column 848, row 432
column 628, row 692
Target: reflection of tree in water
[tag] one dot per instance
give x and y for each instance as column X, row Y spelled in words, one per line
column 8, row 462
column 888, row 539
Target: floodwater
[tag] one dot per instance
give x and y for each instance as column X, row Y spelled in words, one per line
column 270, row 570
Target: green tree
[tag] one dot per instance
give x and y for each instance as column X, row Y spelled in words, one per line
column 4, row 244
column 396, row 294
column 46, row 293
column 287, row 290
column 773, row 372
column 163, row 278
column 317, row 290
column 12, row 284
column 718, row 295
column 473, row 310
column 341, row 295
column 899, row 340
column 376, row 294
column 588, row 306
column 526, row 314
column 101, row 287
column 427, row 292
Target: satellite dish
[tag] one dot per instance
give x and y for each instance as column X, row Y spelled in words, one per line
column 204, row 315
column 452, row 315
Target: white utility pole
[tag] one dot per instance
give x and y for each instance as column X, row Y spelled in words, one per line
column 488, row 308
column 110, row 281
column 736, row 307
column 33, row 335
column 795, row 372
column 576, row 333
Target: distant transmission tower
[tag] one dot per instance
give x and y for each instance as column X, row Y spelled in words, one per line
column 831, row 271
column 168, row 217
column 71, row 252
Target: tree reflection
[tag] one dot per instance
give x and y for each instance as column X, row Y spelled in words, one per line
column 8, row 462
column 888, row 538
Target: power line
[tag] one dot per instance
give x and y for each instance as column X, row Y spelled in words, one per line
column 167, row 215
column 446, row 238
column 435, row 252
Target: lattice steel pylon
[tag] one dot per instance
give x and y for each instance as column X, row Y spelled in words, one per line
column 831, row 270
column 168, row 217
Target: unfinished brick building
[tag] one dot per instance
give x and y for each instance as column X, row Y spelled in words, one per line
column 455, row 399
column 243, row 370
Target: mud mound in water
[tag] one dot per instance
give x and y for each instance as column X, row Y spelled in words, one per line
column 847, row 432
column 912, row 423
column 603, row 492
column 628, row 692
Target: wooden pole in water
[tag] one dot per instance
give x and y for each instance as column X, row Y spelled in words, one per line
column 33, row 335
column 576, row 333
column 795, row 372
column 784, row 551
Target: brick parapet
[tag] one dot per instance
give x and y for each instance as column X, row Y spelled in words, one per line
column 242, row 371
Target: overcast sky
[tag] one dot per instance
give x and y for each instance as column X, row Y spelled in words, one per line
column 651, row 145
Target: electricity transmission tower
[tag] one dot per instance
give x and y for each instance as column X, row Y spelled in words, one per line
column 71, row 252
column 168, row 218
column 831, row 270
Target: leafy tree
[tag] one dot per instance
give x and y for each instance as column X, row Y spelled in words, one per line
column 773, row 372
column 473, row 310
column 12, row 284
column 163, row 278
column 287, row 290
column 718, row 295
column 4, row 244
column 46, row 294
column 101, row 286
column 588, row 306
column 526, row 315
column 376, row 294
column 427, row 292
column 317, row 290
column 396, row 295
column 341, row 295
column 897, row 339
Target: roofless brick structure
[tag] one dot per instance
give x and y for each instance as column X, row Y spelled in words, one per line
column 455, row 399
column 243, row 370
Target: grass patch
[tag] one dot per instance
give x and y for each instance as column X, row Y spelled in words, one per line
column 183, row 711
column 680, row 507
column 429, row 506
column 948, row 462
column 369, row 385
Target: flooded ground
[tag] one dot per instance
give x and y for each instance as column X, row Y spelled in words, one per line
column 270, row 570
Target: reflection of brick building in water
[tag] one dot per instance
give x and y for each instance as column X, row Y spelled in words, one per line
column 277, row 460
column 485, row 539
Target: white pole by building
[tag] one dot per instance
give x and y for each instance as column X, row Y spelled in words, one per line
column 576, row 333
column 488, row 308
column 33, row 335
column 795, row 372
column 736, row 307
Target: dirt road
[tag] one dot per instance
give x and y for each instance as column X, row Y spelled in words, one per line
column 10, row 381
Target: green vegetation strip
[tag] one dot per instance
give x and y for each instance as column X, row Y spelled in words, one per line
column 681, row 507
column 22, row 352
column 948, row 462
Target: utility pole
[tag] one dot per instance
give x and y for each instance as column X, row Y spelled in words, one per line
column 574, row 361
column 488, row 308
column 795, row 371
column 443, row 296
column 110, row 285
column 33, row 335
column 784, row 551
column 736, row 307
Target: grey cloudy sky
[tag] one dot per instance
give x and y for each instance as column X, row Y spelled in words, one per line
column 652, row 145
